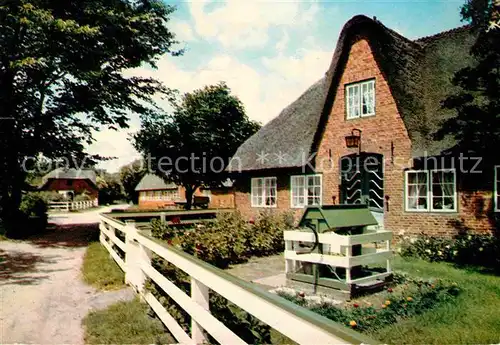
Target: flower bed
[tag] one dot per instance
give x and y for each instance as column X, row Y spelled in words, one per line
column 408, row 297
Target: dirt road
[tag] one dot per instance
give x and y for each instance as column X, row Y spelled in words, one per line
column 42, row 297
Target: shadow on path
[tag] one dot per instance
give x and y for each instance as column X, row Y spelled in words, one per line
column 22, row 268
column 67, row 236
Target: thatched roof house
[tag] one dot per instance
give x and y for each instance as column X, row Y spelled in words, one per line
column 419, row 73
column 379, row 102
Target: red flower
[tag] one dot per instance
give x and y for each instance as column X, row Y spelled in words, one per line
column 355, row 305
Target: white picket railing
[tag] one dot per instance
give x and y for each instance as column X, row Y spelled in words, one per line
column 297, row 323
column 71, row 205
column 337, row 250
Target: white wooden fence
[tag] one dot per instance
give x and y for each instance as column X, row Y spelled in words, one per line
column 337, row 251
column 297, row 323
column 71, row 205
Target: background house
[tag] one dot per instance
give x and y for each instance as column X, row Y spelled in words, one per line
column 364, row 134
column 154, row 192
column 71, row 182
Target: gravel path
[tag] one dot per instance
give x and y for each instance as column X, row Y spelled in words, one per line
column 42, row 297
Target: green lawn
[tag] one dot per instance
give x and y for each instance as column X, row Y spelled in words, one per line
column 100, row 270
column 473, row 318
column 125, row 323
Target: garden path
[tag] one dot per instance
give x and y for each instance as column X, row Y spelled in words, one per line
column 42, row 297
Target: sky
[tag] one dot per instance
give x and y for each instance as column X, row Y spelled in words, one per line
column 268, row 52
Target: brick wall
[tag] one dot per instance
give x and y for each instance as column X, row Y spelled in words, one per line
column 378, row 133
column 221, row 198
column 242, row 195
column 76, row 185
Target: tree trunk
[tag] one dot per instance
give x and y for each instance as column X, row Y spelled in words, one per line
column 189, row 196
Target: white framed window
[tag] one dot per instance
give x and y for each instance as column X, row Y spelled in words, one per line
column 360, row 99
column 263, row 192
column 306, row 190
column 431, row 191
column 496, row 188
column 158, row 195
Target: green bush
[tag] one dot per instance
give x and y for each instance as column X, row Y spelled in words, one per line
column 49, row 196
column 416, row 297
column 33, row 205
column 31, row 217
column 479, row 250
column 83, row 197
column 229, row 239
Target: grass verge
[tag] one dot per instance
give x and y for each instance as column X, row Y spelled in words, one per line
column 100, row 270
column 472, row 318
column 125, row 323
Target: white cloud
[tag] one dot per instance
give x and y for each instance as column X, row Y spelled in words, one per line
column 283, row 42
column 182, row 30
column 245, row 24
column 263, row 91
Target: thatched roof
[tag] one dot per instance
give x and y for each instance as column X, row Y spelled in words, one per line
column 287, row 137
column 418, row 72
column 153, row 182
column 71, row 174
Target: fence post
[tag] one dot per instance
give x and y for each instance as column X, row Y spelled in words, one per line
column 67, row 206
column 136, row 255
column 290, row 265
column 200, row 295
column 102, row 237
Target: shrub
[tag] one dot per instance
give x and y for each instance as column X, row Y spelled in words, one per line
column 49, row 196
column 83, row 197
column 31, row 218
column 33, row 205
column 427, row 248
column 229, row 239
column 480, row 250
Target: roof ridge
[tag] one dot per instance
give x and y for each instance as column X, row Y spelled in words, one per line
column 427, row 39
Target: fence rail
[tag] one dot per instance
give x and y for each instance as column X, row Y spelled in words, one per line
column 297, row 323
column 71, row 205
column 337, row 250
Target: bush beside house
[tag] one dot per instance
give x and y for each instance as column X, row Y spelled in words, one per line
column 466, row 249
column 229, row 239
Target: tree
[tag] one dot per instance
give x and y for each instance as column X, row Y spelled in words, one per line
column 193, row 145
column 62, row 67
column 130, row 176
column 110, row 189
column 476, row 127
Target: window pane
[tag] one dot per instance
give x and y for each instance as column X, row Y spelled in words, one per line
column 443, row 190
column 257, row 192
column 416, row 190
column 297, row 191
column 368, row 98
column 352, row 101
column 270, row 191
